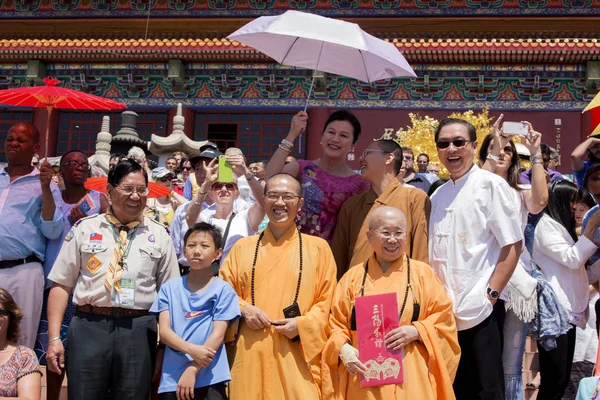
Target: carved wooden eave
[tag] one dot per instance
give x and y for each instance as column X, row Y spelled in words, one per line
column 415, row 50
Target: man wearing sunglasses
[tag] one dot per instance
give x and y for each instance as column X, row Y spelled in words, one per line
column 474, row 245
column 113, row 264
column 28, row 218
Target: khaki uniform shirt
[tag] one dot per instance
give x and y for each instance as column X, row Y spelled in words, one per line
column 88, row 250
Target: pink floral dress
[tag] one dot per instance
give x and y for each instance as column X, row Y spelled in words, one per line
column 324, row 195
column 22, row 362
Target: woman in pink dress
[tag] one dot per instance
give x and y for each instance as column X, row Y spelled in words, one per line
column 327, row 181
column 20, row 374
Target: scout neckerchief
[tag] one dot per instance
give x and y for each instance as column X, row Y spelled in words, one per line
column 120, row 253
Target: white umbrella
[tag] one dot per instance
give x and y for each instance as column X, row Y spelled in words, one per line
column 324, row 44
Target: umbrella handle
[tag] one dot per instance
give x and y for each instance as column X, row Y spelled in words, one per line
column 312, row 83
column 49, row 112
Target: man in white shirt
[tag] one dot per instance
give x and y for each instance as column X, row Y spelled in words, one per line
column 475, row 241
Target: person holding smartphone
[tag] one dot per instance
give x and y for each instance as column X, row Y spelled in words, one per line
column 222, row 176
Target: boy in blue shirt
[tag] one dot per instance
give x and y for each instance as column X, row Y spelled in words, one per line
column 194, row 312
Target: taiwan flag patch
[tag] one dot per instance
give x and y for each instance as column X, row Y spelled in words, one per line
column 95, row 239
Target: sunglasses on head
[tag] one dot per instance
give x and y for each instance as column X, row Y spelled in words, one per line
column 458, row 143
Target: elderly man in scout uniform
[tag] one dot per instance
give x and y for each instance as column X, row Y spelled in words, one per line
column 116, row 263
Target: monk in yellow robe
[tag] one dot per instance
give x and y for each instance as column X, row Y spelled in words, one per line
column 277, row 357
column 380, row 164
column 429, row 337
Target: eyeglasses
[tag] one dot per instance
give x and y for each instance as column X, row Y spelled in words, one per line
column 387, row 235
column 287, row 197
column 75, row 164
column 142, row 191
column 219, row 185
column 407, row 158
column 367, row 151
column 458, row 143
column 4, row 313
column 188, row 168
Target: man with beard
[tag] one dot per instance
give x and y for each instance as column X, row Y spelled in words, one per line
column 28, row 217
column 591, row 146
column 284, row 280
column 114, row 264
column 419, row 180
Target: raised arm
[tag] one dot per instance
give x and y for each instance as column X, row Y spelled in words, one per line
column 256, row 213
column 579, row 152
column 536, row 199
column 277, row 162
column 193, row 211
column 497, row 145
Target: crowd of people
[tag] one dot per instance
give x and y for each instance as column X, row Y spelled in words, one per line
column 245, row 286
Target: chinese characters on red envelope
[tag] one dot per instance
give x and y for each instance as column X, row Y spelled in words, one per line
column 375, row 316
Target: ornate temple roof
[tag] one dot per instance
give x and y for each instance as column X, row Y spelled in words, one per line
column 438, row 50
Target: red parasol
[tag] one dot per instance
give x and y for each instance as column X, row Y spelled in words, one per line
column 51, row 96
column 99, row 185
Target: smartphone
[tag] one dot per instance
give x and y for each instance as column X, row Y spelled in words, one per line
column 515, row 128
column 225, row 171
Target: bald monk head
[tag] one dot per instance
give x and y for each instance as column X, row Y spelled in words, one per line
column 283, row 201
column 387, row 233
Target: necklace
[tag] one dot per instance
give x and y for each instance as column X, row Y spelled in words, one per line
column 254, row 267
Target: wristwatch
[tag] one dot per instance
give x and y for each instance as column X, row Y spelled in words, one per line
column 492, row 157
column 493, row 293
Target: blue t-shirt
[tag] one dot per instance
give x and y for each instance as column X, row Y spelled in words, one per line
column 579, row 175
column 192, row 316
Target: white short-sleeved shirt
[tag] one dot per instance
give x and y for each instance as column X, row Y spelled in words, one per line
column 240, row 227
column 472, row 218
column 179, row 226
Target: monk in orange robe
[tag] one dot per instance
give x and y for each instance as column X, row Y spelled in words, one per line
column 429, row 339
column 277, row 357
column 380, row 164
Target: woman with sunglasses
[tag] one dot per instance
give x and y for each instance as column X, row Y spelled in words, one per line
column 327, row 181
column 498, row 154
column 186, row 168
column 233, row 226
column 20, row 374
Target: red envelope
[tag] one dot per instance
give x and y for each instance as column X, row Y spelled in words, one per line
column 375, row 316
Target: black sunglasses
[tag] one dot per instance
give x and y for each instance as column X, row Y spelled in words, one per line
column 458, row 143
column 4, row 313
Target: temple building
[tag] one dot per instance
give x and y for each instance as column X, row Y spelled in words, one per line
column 535, row 60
